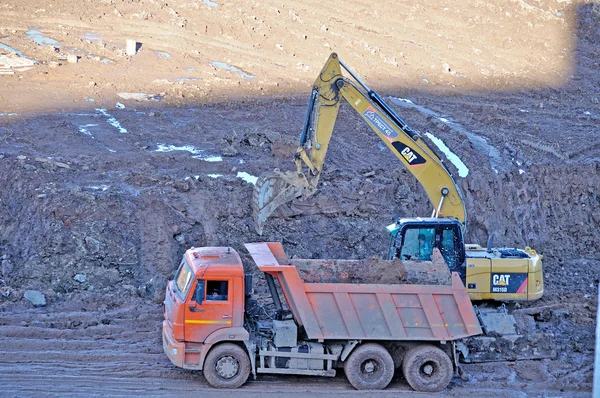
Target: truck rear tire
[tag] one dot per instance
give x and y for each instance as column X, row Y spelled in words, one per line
column 226, row 366
column 369, row 367
column 427, row 368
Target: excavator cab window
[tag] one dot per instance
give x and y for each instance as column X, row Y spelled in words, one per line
column 448, row 245
column 418, row 244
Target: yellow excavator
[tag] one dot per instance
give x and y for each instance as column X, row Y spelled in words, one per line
column 502, row 274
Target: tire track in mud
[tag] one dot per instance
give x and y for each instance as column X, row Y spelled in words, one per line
column 118, row 343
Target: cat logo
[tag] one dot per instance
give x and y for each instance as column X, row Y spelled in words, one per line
column 408, row 155
column 501, row 280
column 508, row 283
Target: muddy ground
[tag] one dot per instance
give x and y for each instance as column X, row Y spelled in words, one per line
column 101, row 194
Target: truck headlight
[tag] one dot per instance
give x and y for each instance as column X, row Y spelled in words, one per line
column 174, row 351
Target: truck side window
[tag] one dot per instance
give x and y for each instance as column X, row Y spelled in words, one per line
column 217, row 290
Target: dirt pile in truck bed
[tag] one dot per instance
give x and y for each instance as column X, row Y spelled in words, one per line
column 374, row 270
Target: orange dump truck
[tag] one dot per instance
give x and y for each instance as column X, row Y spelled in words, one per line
column 213, row 324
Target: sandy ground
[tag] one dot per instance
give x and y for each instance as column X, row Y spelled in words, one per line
column 101, row 193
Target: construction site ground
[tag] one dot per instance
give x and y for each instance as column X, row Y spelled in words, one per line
column 112, row 166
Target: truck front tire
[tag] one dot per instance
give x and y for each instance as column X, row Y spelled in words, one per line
column 226, row 366
column 427, row 368
column 369, row 367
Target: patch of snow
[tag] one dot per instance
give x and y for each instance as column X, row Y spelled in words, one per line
column 138, row 96
column 102, row 187
column 162, row 54
column 463, row 170
column 226, row 66
column 211, row 3
column 521, row 171
column 247, row 177
column 172, row 148
column 209, row 158
column 84, row 129
column 112, row 121
column 120, row 105
column 214, row 175
column 91, row 36
column 443, row 119
column 402, row 100
column 39, row 38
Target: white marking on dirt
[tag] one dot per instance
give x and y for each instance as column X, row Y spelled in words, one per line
column 463, row 170
column 112, row 121
column 247, row 177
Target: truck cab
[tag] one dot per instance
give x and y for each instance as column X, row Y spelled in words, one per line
column 204, row 304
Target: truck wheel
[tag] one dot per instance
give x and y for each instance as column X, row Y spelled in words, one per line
column 427, row 368
column 226, row 366
column 369, row 367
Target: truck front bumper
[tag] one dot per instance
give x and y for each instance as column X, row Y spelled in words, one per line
column 174, row 350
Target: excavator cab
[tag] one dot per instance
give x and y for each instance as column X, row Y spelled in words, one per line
column 415, row 238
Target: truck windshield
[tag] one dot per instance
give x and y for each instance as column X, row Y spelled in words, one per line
column 183, row 280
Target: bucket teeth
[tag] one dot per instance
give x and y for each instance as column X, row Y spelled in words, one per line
column 271, row 191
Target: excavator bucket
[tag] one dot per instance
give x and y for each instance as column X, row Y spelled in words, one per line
column 275, row 189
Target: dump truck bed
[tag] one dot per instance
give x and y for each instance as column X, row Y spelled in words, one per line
column 330, row 311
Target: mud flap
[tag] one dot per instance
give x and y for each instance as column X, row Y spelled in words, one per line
column 251, row 347
column 458, row 350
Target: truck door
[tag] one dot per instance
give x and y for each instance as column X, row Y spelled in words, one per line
column 208, row 309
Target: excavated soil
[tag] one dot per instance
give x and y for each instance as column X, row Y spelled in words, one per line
column 102, row 193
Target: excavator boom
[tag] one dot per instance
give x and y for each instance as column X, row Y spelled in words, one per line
column 273, row 190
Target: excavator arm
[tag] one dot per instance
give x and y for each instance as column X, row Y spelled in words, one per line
column 273, row 190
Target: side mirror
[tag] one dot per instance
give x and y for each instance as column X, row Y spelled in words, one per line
column 199, row 293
